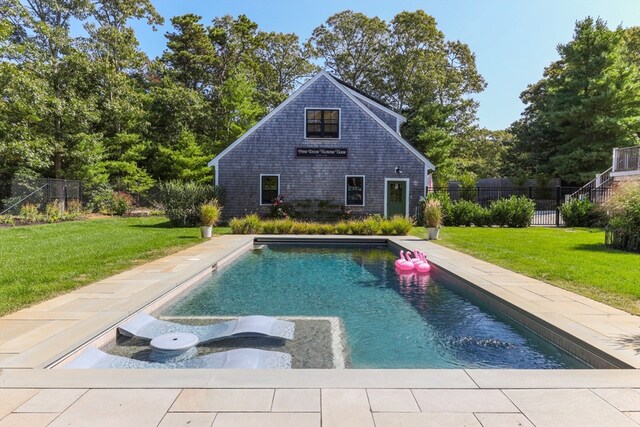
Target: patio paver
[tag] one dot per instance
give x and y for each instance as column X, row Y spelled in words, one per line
column 113, row 407
column 30, row 420
column 342, row 407
column 188, row 419
column 568, row 408
column 627, row 400
column 296, row 400
column 392, row 400
column 240, row 400
column 426, row 420
column 52, row 400
column 503, row 420
column 463, row 401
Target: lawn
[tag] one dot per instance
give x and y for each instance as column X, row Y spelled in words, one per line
column 573, row 259
column 41, row 261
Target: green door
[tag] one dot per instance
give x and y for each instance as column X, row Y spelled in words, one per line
column 396, row 198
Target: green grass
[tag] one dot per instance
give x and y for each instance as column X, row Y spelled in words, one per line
column 575, row 259
column 41, row 261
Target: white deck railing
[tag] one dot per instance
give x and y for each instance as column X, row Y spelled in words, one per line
column 626, row 159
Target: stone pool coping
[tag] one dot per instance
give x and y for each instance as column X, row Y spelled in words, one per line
column 38, row 336
column 34, row 338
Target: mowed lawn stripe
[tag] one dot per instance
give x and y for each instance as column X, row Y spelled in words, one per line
column 41, row 261
column 575, row 259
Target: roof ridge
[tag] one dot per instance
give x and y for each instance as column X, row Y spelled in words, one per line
column 380, row 104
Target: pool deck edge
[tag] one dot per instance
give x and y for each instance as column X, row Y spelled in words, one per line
column 38, row 336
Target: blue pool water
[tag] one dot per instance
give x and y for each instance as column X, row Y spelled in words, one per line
column 389, row 321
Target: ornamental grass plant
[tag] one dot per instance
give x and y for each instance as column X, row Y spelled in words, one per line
column 433, row 213
column 210, row 213
column 369, row 226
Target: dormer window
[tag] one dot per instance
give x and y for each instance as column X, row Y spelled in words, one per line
column 322, row 123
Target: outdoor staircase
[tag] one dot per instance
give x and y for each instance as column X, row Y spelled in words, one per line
column 597, row 190
column 625, row 164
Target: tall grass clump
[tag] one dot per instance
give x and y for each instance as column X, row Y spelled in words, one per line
column 624, row 211
column 250, row 224
column 433, row 213
column 372, row 225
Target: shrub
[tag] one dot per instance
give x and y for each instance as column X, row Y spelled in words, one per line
column 210, row 213
column 29, row 212
column 74, row 209
column 122, row 203
column 516, row 211
column 182, row 200
column 100, row 198
column 7, row 219
column 482, row 217
column 53, row 211
column 582, row 213
column 468, row 182
column 280, row 208
column 467, row 213
column 433, row 213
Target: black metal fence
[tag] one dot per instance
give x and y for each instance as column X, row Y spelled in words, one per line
column 548, row 200
column 39, row 191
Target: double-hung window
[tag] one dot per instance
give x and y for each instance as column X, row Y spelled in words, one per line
column 322, row 123
column 269, row 188
column 354, row 190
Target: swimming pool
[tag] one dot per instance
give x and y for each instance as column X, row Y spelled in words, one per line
column 389, row 321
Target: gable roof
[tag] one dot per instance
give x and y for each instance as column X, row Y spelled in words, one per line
column 352, row 95
column 370, row 99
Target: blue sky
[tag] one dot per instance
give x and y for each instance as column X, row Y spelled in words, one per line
column 513, row 40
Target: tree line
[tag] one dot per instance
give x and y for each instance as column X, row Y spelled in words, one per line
column 94, row 107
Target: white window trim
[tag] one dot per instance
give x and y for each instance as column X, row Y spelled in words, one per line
column 364, row 189
column 260, row 187
column 407, row 180
column 304, row 123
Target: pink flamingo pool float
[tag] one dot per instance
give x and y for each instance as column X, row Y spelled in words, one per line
column 418, row 264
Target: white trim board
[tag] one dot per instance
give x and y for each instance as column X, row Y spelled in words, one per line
column 410, row 147
column 398, row 116
column 347, row 92
column 408, row 181
column 364, row 189
column 260, row 187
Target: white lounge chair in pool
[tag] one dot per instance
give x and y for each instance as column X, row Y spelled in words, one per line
column 245, row 358
column 143, row 325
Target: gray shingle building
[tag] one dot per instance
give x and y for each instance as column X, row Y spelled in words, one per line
column 325, row 142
